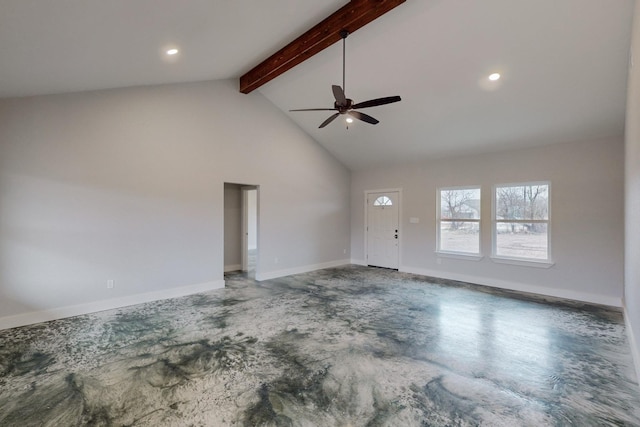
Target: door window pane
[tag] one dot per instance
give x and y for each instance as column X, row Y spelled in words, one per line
column 383, row 201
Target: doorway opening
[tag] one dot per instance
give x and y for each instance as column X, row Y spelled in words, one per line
column 241, row 228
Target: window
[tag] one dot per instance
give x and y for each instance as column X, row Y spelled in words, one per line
column 458, row 224
column 521, row 222
column 383, row 201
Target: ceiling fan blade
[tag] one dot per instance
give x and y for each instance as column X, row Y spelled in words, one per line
column 315, row 109
column 329, row 120
column 364, row 117
column 377, row 101
column 338, row 94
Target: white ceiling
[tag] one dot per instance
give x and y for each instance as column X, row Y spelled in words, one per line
column 563, row 62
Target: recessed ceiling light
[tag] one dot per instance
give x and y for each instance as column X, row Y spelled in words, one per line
column 349, row 120
column 172, row 51
column 493, row 77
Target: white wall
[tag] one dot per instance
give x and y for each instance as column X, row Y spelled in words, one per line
column 127, row 185
column 586, row 207
column 632, row 196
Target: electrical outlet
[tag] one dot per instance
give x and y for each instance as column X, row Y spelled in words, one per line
column 438, row 260
column 344, row 251
column 110, row 284
column 275, row 260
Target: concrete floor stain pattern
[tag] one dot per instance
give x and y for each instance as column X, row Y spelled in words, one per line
column 344, row 346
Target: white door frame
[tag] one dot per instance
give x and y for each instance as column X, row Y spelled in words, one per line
column 245, row 224
column 245, row 227
column 366, row 222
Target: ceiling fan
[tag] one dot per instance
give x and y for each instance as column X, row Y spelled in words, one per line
column 344, row 105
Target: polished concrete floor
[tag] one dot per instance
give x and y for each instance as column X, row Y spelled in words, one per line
column 350, row 346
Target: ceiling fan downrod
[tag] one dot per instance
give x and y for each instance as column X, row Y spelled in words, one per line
column 344, row 33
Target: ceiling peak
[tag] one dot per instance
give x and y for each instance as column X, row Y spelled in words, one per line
column 346, row 20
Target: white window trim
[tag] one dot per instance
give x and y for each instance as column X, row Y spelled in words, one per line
column 459, row 255
column 526, row 262
column 455, row 254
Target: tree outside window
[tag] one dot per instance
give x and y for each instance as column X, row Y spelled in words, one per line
column 521, row 221
column 459, row 220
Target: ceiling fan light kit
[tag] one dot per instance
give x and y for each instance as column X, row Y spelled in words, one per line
column 346, row 106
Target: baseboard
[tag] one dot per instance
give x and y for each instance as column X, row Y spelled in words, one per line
column 232, row 267
column 358, row 261
column 93, row 307
column 516, row 286
column 635, row 351
column 300, row 270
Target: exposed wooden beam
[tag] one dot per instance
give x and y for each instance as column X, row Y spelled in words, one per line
column 356, row 14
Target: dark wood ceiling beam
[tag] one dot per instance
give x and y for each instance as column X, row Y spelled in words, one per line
column 354, row 15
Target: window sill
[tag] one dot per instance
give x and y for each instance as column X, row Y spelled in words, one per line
column 459, row 255
column 523, row 262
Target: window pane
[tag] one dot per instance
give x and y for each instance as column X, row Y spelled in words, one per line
column 460, row 203
column 522, row 240
column 460, row 237
column 383, row 201
column 522, row 202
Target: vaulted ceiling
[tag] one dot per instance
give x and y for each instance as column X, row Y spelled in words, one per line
column 563, row 65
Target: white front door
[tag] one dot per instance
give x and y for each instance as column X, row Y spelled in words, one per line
column 382, row 229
